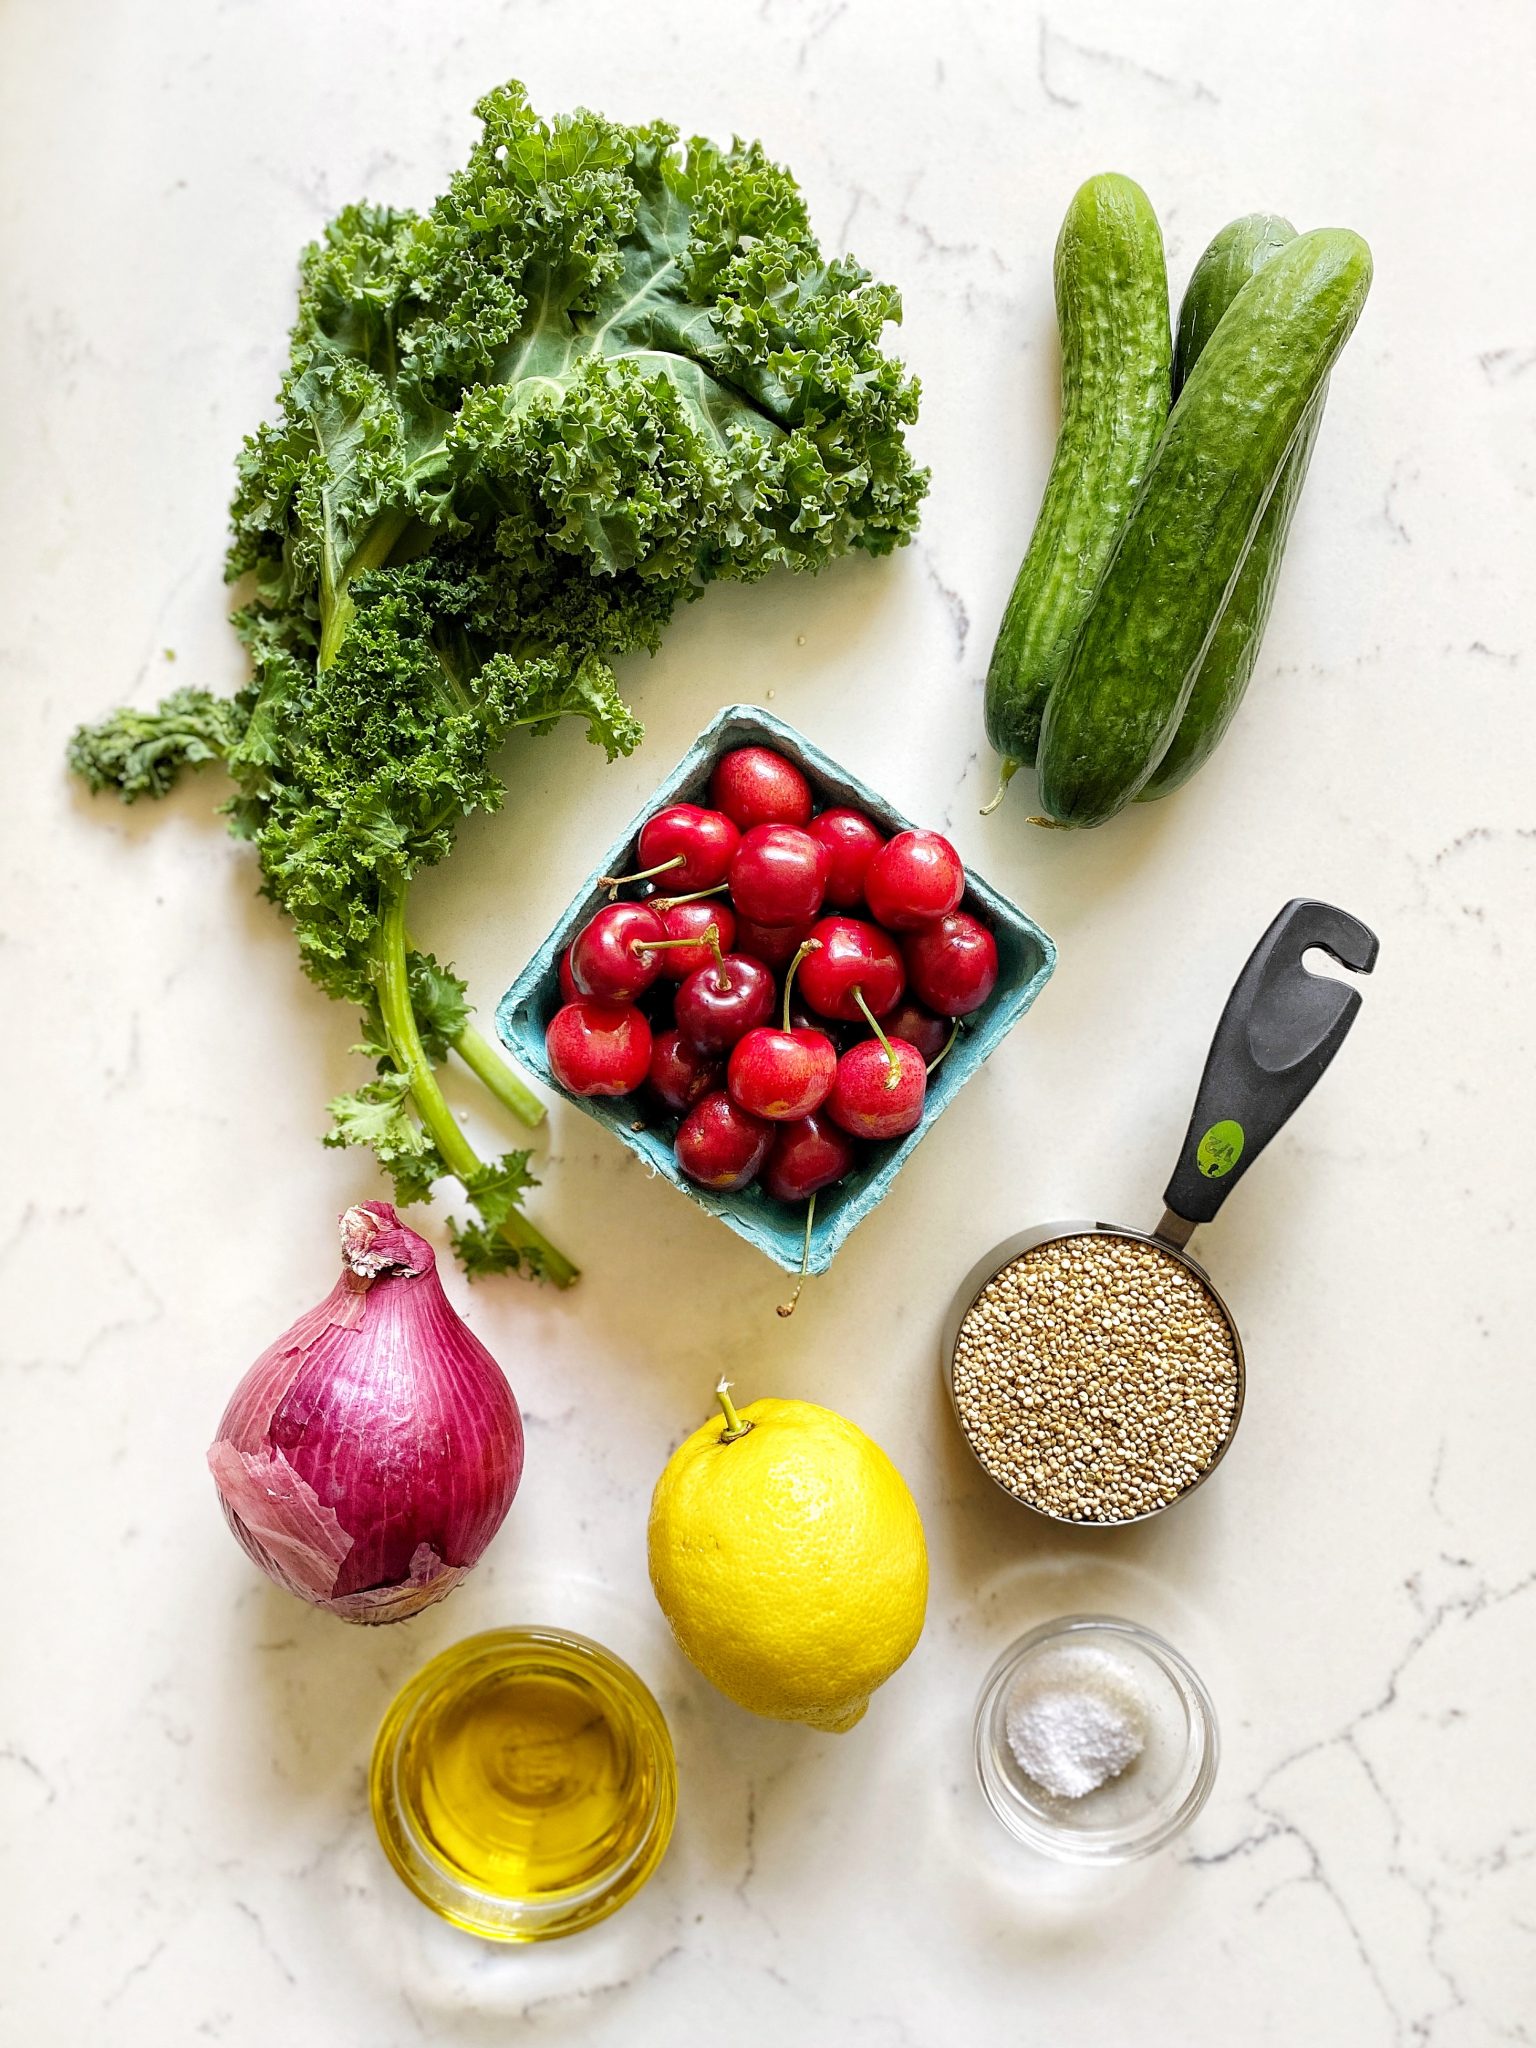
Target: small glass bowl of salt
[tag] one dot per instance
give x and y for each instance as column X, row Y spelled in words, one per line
column 1095, row 1740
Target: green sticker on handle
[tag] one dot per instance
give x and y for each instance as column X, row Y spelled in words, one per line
column 1220, row 1149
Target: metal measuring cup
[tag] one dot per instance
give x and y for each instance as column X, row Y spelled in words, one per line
column 1281, row 1026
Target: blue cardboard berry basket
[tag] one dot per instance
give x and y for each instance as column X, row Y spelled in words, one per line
column 1026, row 958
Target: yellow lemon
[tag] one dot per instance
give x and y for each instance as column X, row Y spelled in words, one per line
column 789, row 1558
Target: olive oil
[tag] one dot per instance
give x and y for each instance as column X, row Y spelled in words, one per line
column 524, row 1783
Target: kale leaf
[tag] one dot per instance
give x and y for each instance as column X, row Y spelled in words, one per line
column 515, row 433
column 141, row 753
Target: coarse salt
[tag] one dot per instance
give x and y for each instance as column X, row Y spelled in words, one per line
column 1075, row 1719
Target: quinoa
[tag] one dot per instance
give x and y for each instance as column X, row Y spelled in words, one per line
column 1095, row 1377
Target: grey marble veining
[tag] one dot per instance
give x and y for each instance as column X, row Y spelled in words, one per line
column 185, row 1852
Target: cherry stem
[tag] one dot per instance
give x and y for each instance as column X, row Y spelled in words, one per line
column 660, row 903
column 613, row 883
column 943, row 1051
column 734, row 1426
column 710, row 937
column 787, row 1308
column 893, row 1074
column 806, row 946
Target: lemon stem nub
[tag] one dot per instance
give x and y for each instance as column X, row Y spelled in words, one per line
column 787, row 1308
column 734, row 1426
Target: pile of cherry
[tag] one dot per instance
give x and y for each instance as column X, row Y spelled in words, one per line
column 678, row 993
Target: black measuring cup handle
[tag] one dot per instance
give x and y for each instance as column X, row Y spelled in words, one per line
column 1281, row 1027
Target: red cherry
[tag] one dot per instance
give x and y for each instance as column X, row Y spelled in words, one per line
column 721, row 1146
column 720, row 1003
column 569, row 992
column 692, row 921
column 807, row 1156
column 851, row 841
column 778, row 875
column 700, row 842
column 755, row 786
column 879, row 1092
column 919, row 1027
column 782, row 1075
column 774, row 944
column 598, row 1048
column 679, row 1073
column 609, row 959
column 690, row 846
column 913, row 879
column 853, row 956
column 953, row 964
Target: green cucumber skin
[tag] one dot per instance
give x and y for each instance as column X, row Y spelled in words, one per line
column 1236, row 254
column 1116, row 363
column 1117, row 704
column 1233, row 648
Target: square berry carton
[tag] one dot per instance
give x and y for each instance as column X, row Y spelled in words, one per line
column 1026, row 958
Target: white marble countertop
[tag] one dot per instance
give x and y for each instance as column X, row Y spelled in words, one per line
column 185, row 1851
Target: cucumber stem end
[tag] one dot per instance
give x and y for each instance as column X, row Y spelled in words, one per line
column 1010, row 768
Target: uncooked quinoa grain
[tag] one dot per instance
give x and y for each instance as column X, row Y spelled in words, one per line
column 1095, row 1377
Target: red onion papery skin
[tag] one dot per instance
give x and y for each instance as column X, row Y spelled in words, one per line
column 369, row 1455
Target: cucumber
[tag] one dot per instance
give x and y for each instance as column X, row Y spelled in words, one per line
column 1116, row 705
column 1231, row 258
column 1241, row 249
column 1112, row 309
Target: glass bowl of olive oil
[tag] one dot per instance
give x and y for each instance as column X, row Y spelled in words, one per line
column 523, row 1784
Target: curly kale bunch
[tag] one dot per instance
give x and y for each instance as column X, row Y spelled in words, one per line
column 515, row 433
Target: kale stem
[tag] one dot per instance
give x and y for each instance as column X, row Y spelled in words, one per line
column 406, row 1049
column 482, row 1059
column 405, row 1044
column 392, row 966
column 547, row 718
column 337, row 604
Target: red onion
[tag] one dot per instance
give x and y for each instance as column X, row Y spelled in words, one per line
column 370, row 1454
